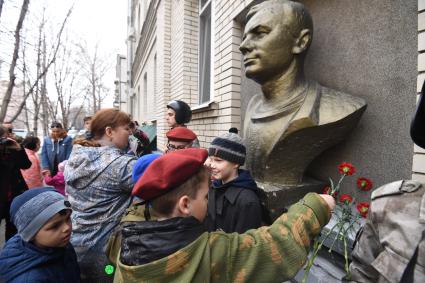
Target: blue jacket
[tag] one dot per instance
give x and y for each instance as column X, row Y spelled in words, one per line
column 48, row 152
column 22, row 262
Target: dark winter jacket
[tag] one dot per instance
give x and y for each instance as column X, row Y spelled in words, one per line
column 147, row 241
column 22, row 262
column 48, row 152
column 11, row 181
column 234, row 206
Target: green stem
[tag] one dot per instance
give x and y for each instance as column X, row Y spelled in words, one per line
column 336, row 189
column 347, row 270
column 340, row 226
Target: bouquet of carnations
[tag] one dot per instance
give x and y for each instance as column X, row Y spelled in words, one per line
column 346, row 218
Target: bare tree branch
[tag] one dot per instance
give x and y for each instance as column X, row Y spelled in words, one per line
column 1, row 6
column 45, row 70
column 12, row 76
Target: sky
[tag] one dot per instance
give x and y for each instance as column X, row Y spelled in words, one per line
column 101, row 22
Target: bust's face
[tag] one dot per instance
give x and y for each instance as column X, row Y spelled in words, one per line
column 267, row 45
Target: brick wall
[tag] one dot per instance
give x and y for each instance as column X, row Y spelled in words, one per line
column 176, row 40
column 163, row 39
column 419, row 153
column 225, row 111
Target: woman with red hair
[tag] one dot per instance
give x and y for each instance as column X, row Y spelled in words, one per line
column 98, row 184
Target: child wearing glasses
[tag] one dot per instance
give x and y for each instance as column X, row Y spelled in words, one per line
column 180, row 138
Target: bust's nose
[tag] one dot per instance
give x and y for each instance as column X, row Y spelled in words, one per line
column 246, row 46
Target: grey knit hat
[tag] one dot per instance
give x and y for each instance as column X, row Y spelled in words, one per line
column 230, row 147
column 32, row 209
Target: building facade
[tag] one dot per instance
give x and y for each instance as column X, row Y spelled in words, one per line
column 175, row 51
column 419, row 156
column 189, row 50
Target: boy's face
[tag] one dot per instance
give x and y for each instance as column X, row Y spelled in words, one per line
column 171, row 117
column 56, row 232
column 177, row 145
column 198, row 205
column 87, row 124
column 222, row 169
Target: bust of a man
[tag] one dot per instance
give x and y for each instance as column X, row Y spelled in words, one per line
column 294, row 119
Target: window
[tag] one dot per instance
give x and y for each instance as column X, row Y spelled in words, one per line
column 205, row 50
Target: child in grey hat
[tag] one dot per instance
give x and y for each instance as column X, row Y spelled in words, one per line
column 40, row 251
column 233, row 201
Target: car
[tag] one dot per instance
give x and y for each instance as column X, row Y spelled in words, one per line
column 72, row 133
column 20, row 132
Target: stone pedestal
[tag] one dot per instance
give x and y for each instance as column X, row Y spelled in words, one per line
column 279, row 197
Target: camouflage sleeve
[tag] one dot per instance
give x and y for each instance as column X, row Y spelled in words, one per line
column 365, row 252
column 272, row 253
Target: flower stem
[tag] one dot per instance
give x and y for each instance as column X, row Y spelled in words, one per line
column 347, row 270
column 336, row 189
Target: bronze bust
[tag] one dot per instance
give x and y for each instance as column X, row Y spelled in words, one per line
column 294, row 119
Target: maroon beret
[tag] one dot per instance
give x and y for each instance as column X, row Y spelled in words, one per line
column 181, row 134
column 169, row 171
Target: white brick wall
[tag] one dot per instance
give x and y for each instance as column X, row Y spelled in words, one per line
column 176, row 42
column 418, row 167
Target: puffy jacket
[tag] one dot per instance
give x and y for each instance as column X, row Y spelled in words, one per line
column 32, row 175
column 98, row 184
column 23, row 262
column 57, row 181
column 11, row 181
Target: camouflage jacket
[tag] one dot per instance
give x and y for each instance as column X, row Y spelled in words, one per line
column 391, row 246
column 268, row 254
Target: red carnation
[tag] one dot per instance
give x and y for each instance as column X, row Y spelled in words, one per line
column 327, row 191
column 346, row 168
column 363, row 208
column 345, row 198
column 364, row 184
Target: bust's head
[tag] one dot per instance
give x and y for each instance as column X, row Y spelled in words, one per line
column 277, row 34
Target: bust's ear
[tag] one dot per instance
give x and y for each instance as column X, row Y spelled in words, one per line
column 302, row 42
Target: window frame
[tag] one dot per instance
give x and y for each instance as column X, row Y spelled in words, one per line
column 201, row 11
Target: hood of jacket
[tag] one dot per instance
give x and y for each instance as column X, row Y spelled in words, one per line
column 86, row 163
column 244, row 180
column 146, row 241
column 19, row 257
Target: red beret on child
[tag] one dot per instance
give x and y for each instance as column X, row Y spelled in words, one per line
column 181, row 134
column 169, row 171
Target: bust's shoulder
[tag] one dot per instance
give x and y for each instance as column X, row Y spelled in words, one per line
column 336, row 105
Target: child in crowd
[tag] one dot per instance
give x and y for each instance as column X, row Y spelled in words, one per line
column 233, row 202
column 32, row 175
column 41, row 251
column 180, row 138
column 175, row 247
column 57, row 181
column 178, row 115
column 135, row 212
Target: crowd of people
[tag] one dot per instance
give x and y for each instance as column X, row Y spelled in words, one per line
column 102, row 207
